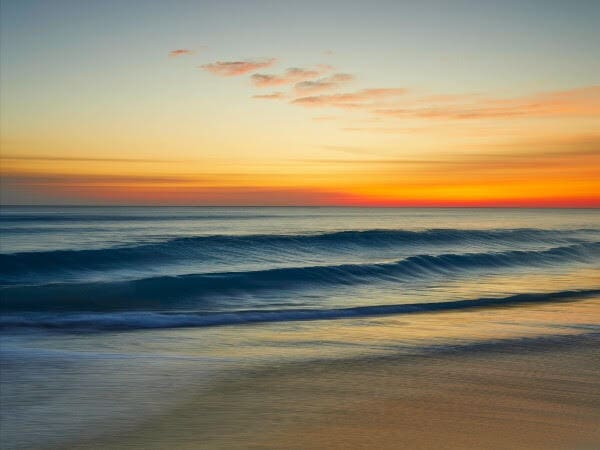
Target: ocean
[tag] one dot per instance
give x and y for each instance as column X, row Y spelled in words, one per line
column 113, row 316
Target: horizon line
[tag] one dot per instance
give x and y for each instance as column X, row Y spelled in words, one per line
column 295, row 206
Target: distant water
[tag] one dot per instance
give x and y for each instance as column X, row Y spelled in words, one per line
column 128, row 298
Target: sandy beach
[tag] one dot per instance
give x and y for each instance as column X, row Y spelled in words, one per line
column 522, row 394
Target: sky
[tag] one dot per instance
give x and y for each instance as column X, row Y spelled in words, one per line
column 242, row 102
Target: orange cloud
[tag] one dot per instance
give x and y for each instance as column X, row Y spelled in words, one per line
column 272, row 96
column 291, row 75
column 235, row 68
column 350, row 100
column 322, row 84
column 382, row 102
column 181, row 52
column 574, row 102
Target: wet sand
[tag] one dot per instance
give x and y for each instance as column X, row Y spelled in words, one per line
column 523, row 394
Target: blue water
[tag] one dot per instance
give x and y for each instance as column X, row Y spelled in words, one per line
column 118, row 295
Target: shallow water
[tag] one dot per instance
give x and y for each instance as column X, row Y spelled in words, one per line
column 112, row 315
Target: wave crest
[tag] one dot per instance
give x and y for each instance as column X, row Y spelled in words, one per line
column 149, row 320
column 165, row 290
column 18, row 266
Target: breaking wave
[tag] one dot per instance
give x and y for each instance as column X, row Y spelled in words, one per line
column 149, row 320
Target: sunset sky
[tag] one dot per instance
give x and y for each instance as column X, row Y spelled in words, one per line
column 380, row 103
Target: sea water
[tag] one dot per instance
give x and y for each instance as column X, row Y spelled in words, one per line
column 109, row 315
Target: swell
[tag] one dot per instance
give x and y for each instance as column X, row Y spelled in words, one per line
column 165, row 291
column 147, row 320
column 207, row 248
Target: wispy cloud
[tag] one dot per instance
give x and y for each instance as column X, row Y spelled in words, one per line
column 236, row 68
column 76, row 180
column 272, row 96
column 323, row 84
column 350, row 100
column 291, row 75
column 583, row 101
column 383, row 130
column 317, row 87
column 395, row 103
column 181, row 52
column 78, row 158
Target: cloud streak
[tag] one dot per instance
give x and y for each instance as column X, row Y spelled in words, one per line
column 323, row 84
column 362, row 99
column 401, row 103
column 291, row 75
column 91, row 180
column 583, row 101
column 236, row 68
column 180, row 52
column 78, row 158
column 272, row 96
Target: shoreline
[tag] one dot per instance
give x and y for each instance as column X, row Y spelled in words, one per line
column 520, row 394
